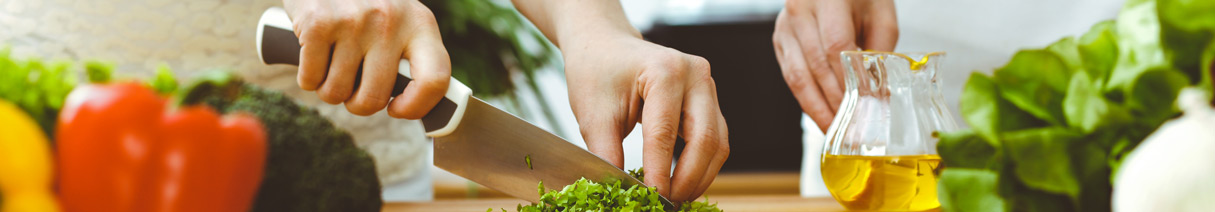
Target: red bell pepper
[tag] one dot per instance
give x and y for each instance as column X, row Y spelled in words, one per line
column 119, row 148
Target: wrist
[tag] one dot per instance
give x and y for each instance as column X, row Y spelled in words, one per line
column 581, row 21
column 584, row 38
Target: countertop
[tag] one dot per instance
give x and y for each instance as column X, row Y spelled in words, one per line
column 731, row 191
column 752, row 202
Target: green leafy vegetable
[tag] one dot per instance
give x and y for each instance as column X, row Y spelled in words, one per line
column 528, row 159
column 39, row 88
column 967, row 183
column 311, row 166
column 585, row 195
column 99, row 72
column 163, row 83
column 1049, row 128
column 638, row 174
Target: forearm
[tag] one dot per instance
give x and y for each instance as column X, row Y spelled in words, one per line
column 565, row 21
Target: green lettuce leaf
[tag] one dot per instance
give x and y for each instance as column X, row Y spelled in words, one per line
column 964, row 189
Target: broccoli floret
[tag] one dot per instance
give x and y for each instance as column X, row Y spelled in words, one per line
column 312, row 165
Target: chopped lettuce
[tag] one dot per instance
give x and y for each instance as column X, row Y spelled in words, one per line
column 585, row 195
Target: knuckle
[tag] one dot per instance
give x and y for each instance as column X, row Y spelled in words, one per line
column 431, row 86
column 840, row 44
column 421, row 15
column 700, row 64
column 796, row 78
column 345, row 20
column 662, row 133
column 670, row 66
column 776, row 41
column 723, row 149
column 818, row 65
column 381, row 19
column 702, row 70
column 669, row 60
column 314, row 29
column 332, row 95
column 708, row 143
column 795, row 4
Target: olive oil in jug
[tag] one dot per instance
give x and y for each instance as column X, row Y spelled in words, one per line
column 885, row 183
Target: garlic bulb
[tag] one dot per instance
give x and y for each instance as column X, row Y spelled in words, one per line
column 1174, row 168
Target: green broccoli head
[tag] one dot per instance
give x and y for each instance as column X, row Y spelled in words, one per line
column 311, row 165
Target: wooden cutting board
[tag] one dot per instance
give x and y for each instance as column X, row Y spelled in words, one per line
column 781, row 202
column 775, row 191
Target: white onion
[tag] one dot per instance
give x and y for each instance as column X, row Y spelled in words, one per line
column 1174, row 168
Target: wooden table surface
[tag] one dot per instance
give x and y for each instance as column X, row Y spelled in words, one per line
column 754, row 202
column 731, row 192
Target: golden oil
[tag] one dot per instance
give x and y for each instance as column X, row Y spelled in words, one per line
column 883, row 183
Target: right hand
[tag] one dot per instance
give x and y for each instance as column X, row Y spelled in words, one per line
column 809, row 36
column 338, row 37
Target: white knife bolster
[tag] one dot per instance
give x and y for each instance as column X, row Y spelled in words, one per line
column 458, row 93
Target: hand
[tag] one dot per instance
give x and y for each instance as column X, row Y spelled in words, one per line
column 618, row 81
column 340, row 37
column 810, row 34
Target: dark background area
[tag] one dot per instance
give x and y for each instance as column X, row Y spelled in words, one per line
column 763, row 117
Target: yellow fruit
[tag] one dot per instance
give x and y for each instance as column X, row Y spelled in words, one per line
column 25, row 163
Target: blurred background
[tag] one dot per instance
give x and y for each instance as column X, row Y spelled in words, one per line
column 521, row 72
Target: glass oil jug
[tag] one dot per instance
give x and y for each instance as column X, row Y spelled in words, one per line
column 880, row 151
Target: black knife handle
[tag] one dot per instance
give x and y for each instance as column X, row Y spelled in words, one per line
column 277, row 44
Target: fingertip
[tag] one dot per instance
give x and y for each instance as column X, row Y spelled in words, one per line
column 659, row 178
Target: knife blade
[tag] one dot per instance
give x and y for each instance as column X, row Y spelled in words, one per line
column 472, row 138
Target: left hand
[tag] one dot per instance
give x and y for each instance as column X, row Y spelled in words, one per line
column 618, row 80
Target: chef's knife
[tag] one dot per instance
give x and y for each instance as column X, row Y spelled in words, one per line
column 472, row 138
